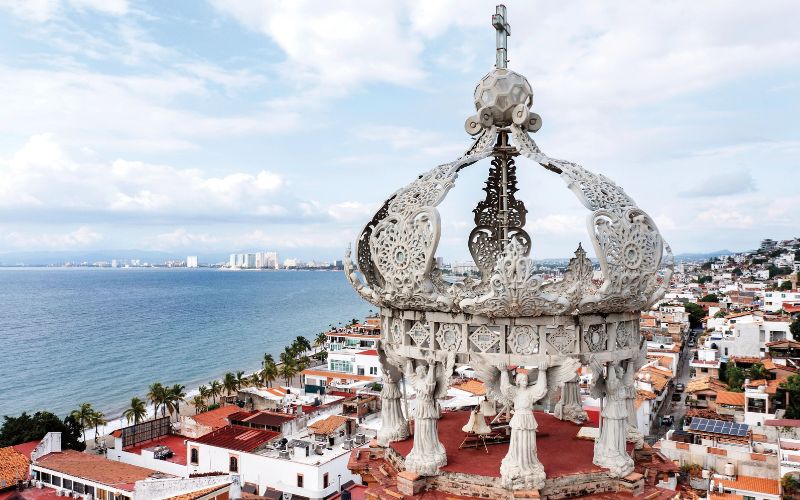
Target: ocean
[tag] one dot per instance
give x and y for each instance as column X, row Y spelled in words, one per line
column 75, row 335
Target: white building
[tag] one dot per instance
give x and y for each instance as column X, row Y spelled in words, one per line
column 299, row 467
column 191, row 261
column 773, row 301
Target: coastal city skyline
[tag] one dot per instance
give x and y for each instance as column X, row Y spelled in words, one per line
column 365, row 250
column 225, row 74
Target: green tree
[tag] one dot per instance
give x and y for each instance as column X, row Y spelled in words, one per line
column 174, row 397
column 795, row 328
column 215, row 390
column 229, row 383
column 704, row 279
column 735, row 377
column 157, row 395
column 136, row 412
column 792, row 387
column 757, row 372
column 241, row 380
column 204, row 391
column 302, row 343
column 320, row 340
column 785, row 286
column 270, row 372
column 711, row 297
column 98, row 418
column 24, row 428
column 696, row 314
column 199, row 404
column 83, row 415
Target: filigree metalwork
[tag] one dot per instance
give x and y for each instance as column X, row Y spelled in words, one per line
column 450, row 337
column 484, row 338
column 562, row 338
column 514, row 289
column 499, row 217
column 624, row 335
column 397, row 331
column 523, row 339
column 420, row 334
column 596, row 337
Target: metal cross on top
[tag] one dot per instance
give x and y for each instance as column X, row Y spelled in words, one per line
column 503, row 32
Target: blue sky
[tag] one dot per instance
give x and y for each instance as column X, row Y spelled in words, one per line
column 206, row 128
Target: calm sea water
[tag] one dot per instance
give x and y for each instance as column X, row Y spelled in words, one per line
column 69, row 336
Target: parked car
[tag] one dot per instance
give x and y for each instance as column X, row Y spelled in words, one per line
column 677, row 396
column 667, row 420
column 680, row 387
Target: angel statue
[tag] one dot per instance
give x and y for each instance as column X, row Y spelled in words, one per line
column 393, row 423
column 521, row 469
column 634, row 435
column 569, row 406
column 609, row 448
column 430, row 384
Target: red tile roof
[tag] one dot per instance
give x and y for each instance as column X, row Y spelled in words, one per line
column 368, row 352
column 783, row 422
column 730, row 398
column 217, row 418
column 237, row 437
column 26, row 448
column 265, row 418
column 755, row 484
column 94, row 468
column 13, row 465
column 328, row 425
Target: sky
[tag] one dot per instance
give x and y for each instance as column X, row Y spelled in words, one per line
column 204, row 128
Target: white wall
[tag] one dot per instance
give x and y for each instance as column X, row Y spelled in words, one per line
column 277, row 473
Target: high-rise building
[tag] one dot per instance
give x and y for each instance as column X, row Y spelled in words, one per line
column 249, row 260
column 232, row 260
column 191, row 261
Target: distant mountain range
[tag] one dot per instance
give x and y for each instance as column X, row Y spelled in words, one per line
column 703, row 256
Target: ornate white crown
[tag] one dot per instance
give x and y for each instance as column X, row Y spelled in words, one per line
column 396, row 250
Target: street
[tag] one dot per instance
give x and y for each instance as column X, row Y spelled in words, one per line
column 677, row 408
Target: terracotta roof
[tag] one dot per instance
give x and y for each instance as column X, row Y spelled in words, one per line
column 640, row 393
column 94, row 468
column 328, row 425
column 730, row 398
column 196, row 495
column 265, row 418
column 792, row 344
column 368, row 352
column 755, row 484
column 783, row 422
column 745, row 359
column 472, row 386
column 725, row 496
column 768, row 363
column 27, row 448
column 773, row 385
column 217, row 418
column 756, row 383
column 237, row 437
column 705, row 384
column 13, row 465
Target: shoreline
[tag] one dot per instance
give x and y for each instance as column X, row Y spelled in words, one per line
column 117, row 421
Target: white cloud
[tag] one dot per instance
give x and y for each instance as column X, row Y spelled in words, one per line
column 42, row 175
column 336, row 44
column 181, row 238
column 82, row 237
column 350, row 211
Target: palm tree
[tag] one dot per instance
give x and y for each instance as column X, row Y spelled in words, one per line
column 83, row 416
column 175, row 395
column 269, row 373
column 136, row 411
column 320, row 340
column 156, row 394
column 302, row 343
column 204, row 391
column 288, row 370
column 255, row 380
column 241, row 380
column 214, row 389
column 98, row 419
column 229, row 383
column 199, row 404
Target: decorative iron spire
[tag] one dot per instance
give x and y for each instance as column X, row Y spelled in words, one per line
column 500, row 23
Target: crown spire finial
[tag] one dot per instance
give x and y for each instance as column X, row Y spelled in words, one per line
column 503, row 29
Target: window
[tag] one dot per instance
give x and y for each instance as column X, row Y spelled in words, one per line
column 78, row 487
column 748, row 498
column 338, row 365
column 299, row 480
column 373, row 370
column 67, row 484
column 89, row 490
column 234, row 464
column 56, row 481
column 45, row 477
column 193, row 457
